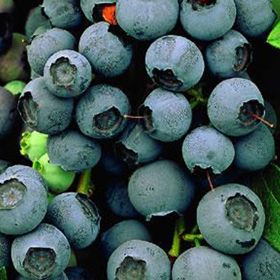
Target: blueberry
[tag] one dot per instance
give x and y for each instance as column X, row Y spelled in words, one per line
column 36, row 18
column 207, row 148
column 42, row 253
column 34, row 108
column 270, row 116
column 13, row 62
column 168, row 115
column 233, row 106
column 174, row 63
column 4, row 165
column 202, row 263
column 5, row 32
column 23, row 200
column 64, row 14
column 57, row 179
column 138, row 259
column 67, row 73
column 5, row 248
column 76, row 216
column 100, row 111
column 33, row 144
column 91, row 8
column 117, row 199
column 207, row 20
column 111, row 163
column 135, row 146
column 147, row 20
column 160, row 188
column 61, row 276
column 106, row 52
column 77, row 273
column 45, row 45
column 73, row 151
column 254, row 18
column 256, row 150
column 231, row 219
column 263, row 263
column 7, row 112
column 229, row 56
column 121, row 232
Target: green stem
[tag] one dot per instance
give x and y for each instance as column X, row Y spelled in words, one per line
column 180, row 227
column 192, row 237
column 197, row 243
column 84, row 184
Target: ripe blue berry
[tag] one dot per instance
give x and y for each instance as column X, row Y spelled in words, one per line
column 106, row 52
column 207, row 20
column 36, row 18
column 231, row 219
column 23, row 200
column 45, row 45
column 61, row 276
column 229, row 56
column 202, row 263
column 121, row 232
column 67, row 73
column 147, row 20
column 73, row 151
column 205, row 148
column 42, row 253
column 117, row 199
column 135, row 146
column 254, row 18
column 270, row 116
column 76, row 216
column 233, row 106
column 138, row 259
column 7, row 112
column 111, row 163
column 63, row 14
column 256, row 150
column 174, row 63
column 6, row 33
column 160, row 188
column 168, row 115
column 263, row 263
column 34, row 107
column 100, row 111
column 77, row 273
column 4, row 165
column 5, row 249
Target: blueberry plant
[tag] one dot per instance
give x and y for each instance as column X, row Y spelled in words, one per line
column 139, row 140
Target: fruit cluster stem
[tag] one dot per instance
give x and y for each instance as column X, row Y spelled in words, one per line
column 84, row 184
column 180, row 227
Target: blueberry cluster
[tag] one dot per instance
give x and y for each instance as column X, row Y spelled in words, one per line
column 136, row 113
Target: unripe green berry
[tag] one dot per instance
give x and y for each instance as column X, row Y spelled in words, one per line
column 15, row 87
column 57, row 179
column 33, row 144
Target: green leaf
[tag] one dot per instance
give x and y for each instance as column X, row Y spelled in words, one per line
column 274, row 36
column 276, row 7
column 3, row 273
column 267, row 187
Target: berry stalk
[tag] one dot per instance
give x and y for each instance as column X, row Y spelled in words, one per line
column 84, row 185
